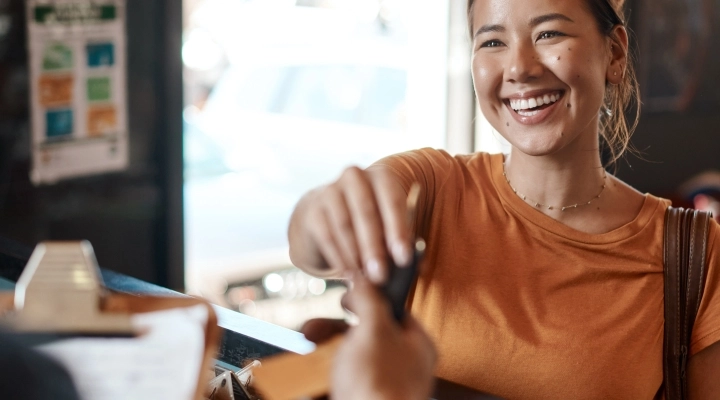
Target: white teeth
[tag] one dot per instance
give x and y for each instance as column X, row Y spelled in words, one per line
column 524, row 104
column 528, row 113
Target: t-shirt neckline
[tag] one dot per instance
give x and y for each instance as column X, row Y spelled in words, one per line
column 651, row 204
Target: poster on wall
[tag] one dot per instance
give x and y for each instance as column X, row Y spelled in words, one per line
column 78, row 82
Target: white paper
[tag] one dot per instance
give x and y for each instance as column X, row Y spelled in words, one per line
column 78, row 88
column 162, row 364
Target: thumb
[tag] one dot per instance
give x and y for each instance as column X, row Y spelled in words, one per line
column 415, row 331
column 321, row 329
column 419, row 338
column 366, row 301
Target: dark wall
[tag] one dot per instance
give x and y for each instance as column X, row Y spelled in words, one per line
column 133, row 218
column 679, row 68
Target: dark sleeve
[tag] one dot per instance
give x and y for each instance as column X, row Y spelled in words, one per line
column 28, row 375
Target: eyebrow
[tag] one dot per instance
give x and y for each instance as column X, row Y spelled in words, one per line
column 549, row 17
column 533, row 23
column 489, row 28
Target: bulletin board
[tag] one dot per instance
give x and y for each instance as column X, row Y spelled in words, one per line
column 77, row 88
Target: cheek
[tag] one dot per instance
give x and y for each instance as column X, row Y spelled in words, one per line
column 580, row 72
column 567, row 67
column 486, row 78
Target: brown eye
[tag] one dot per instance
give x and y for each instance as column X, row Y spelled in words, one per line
column 549, row 35
column 492, row 43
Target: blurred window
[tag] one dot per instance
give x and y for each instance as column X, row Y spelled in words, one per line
column 281, row 96
column 351, row 94
column 262, row 90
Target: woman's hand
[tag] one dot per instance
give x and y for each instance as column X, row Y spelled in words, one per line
column 379, row 358
column 352, row 224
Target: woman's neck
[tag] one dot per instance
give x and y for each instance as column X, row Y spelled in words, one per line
column 554, row 182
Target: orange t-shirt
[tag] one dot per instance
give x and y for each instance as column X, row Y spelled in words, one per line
column 524, row 307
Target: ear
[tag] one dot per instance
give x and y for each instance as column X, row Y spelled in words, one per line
column 617, row 63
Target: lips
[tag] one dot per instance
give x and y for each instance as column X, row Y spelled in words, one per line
column 533, row 108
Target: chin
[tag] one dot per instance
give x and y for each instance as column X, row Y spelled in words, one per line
column 538, row 145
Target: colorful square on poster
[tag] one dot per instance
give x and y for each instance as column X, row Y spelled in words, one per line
column 101, row 120
column 55, row 90
column 57, row 56
column 98, row 89
column 100, row 55
column 59, row 123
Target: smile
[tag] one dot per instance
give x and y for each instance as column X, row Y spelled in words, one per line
column 535, row 108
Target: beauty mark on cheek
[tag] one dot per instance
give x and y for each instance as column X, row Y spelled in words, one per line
column 558, row 58
column 568, row 105
column 507, row 124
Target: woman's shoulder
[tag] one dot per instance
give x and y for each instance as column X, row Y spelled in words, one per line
column 438, row 159
column 707, row 325
column 437, row 168
column 713, row 245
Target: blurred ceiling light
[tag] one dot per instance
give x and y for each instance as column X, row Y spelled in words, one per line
column 317, row 286
column 273, row 282
column 200, row 51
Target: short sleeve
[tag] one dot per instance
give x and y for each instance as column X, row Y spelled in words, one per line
column 430, row 168
column 707, row 325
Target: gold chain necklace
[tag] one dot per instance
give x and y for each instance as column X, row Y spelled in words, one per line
column 563, row 208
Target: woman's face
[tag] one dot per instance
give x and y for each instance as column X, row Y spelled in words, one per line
column 539, row 69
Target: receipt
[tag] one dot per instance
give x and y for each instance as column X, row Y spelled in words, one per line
column 163, row 363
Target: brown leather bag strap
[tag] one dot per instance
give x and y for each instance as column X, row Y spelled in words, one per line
column 685, row 245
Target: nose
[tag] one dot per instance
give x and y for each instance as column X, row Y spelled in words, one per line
column 523, row 64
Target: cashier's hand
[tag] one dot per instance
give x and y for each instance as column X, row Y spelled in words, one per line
column 379, row 359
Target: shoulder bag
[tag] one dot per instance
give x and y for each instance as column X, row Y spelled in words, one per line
column 685, row 244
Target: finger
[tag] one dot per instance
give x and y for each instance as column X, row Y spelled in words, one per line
column 415, row 330
column 367, row 222
column 343, row 229
column 367, row 303
column 322, row 233
column 393, row 206
column 418, row 337
column 321, row 329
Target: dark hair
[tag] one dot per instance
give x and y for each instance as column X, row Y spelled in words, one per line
column 615, row 129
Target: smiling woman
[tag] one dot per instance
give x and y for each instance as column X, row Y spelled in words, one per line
column 543, row 274
column 619, row 96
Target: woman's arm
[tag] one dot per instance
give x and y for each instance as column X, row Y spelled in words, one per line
column 704, row 374
column 351, row 224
